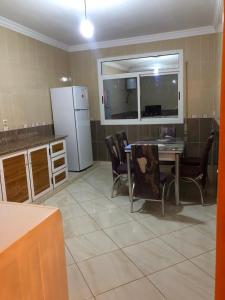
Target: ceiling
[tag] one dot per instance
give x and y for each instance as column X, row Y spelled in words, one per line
column 113, row 19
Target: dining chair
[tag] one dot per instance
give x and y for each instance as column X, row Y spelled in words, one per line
column 198, row 173
column 119, row 169
column 167, row 132
column 193, row 161
column 122, row 143
column 148, row 183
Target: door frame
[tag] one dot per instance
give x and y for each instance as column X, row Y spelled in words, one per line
column 220, row 240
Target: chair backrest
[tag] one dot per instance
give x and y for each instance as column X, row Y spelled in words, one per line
column 113, row 152
column 205, row 155
column 122, row 143
column 146, row 171
column 169, row 132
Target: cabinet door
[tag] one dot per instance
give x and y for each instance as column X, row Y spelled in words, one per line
column 40, row 171
column 15, row 177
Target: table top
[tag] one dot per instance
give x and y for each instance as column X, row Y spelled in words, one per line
column 165, row 145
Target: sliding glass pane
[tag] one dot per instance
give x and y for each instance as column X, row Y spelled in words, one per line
column 120, row 98
column 159, row 96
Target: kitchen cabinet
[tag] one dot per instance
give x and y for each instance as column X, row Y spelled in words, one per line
column 15, row 177
column 40, row 171
column 32, row 257
column 59, row 162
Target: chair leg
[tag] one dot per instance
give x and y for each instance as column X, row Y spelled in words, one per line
column 114, row 183
column 163, row 199
column 132, row 200
column 198, row 186
column 169, row 187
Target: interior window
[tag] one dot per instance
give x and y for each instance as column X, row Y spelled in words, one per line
column 145, row 89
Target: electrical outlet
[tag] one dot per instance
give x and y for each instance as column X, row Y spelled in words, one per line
column 5, row 125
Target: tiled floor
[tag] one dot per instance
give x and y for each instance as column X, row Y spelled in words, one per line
column 115, row 255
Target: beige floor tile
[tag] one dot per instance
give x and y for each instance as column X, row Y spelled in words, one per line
column 206, row 262
column 69, row 257
column 208, row 228
column 78, row 226
column 129, row 233
column 108, row 271
column 153, row 255
column 78, row 289
column 112, row 217
column 140, row 289
column 189, row 241
column 162, row 225
column 90, row 245
column 72, row 211
column 82, row 191
column 184, row 281
column 61, row 199
column 97, row 205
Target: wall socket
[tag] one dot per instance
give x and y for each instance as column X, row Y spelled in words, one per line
column 5, row 125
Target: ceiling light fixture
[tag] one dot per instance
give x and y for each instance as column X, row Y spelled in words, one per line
column 86, row 27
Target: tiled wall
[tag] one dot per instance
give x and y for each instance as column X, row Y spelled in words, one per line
column 28, row 69
column 195, row 134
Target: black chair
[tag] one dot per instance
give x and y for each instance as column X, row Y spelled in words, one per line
column 193, row 161
column 167, row 132
column 198, row 173
column 119, row 169
column 122, row 143
column 148, row 182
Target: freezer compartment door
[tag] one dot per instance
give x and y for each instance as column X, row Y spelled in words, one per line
column 80, row 94
column 84, row 138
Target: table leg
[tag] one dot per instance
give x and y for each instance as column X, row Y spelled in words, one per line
column 129, row 175
column 177, row 179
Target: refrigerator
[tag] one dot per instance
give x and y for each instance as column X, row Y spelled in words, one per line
column 71, row 117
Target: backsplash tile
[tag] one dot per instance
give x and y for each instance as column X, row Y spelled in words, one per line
column 196, row 136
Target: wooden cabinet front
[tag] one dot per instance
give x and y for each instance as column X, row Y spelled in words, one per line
column 15, row 177
column 40, row 171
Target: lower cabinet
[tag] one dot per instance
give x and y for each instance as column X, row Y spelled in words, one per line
column 29, row 174
column 15, row 177
column 40, row 171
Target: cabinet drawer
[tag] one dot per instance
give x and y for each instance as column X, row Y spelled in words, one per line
column 57, row 148
column 59, row 162
column 60, row 177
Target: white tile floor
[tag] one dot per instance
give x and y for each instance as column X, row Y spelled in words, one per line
column 112, row 254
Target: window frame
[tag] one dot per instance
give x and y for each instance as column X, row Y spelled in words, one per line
column 142, row 121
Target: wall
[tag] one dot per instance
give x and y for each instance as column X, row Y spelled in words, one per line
column 28, row 68
column 219, row 40
column 200, row 68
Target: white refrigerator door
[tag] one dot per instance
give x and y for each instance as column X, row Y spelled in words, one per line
column 64, row 123
column 80, row 94
column 84, row 138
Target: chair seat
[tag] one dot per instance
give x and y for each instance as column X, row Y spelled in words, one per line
column 163, row 178
column 191, row 161
column 188, row 171
column 122, row 168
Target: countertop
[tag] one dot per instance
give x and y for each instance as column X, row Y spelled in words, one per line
column 28, row 143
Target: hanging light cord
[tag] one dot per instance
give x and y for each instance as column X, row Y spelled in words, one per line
column 85, row 9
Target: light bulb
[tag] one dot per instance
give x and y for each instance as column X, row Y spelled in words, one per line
column 87, row 28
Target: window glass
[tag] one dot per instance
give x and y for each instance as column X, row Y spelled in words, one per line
column 159, row 96
column 142, row 64
column 120, row 98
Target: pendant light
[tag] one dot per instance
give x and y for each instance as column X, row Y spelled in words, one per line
column 86, row 27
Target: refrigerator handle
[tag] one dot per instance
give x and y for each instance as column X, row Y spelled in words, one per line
column 102, row 100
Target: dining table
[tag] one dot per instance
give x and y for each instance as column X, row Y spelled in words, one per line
column 170, row 150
